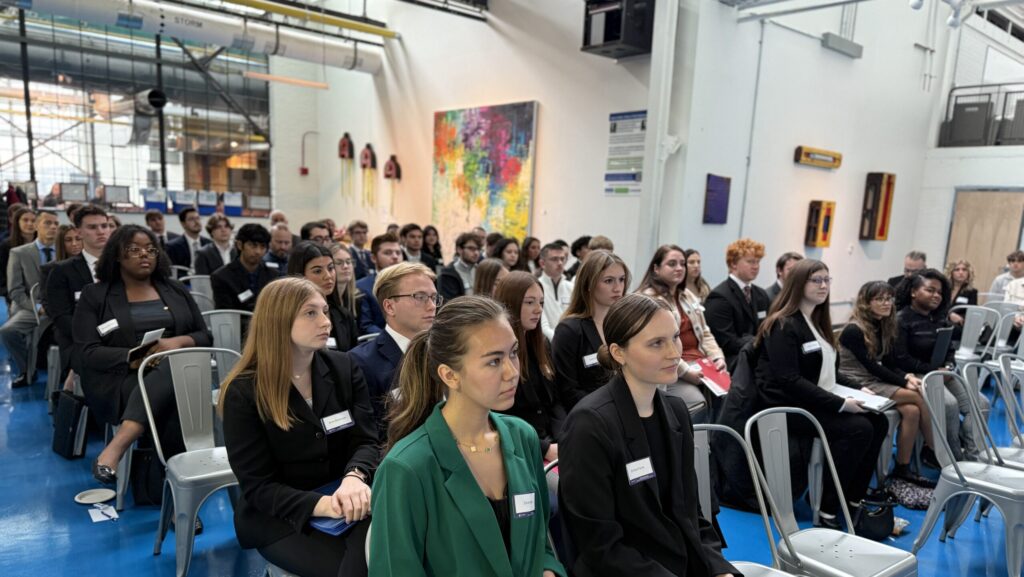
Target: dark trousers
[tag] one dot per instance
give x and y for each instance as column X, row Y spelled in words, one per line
column 854, row 441
column 318, row 554
column 160, row 391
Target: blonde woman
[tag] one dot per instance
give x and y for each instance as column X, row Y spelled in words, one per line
column 961, row 277
column 297, row 417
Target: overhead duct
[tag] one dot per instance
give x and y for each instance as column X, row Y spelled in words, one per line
column 210, row 27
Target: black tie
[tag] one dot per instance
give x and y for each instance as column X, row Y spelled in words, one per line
column 161, row 239
column 746, row 293
column 49, row 253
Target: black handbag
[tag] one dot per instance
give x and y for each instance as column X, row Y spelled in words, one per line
column 147, row 477
column 70, row 421
column 874, row 521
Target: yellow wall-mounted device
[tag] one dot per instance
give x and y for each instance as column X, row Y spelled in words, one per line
column 817, row 157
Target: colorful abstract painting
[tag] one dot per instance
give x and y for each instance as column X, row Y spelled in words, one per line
column 483, row 169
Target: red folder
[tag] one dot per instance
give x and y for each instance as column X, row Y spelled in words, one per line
column 718, row 382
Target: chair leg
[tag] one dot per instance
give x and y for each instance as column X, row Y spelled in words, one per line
column 814, row 479
column 958, row 509
column 186, row 507
column 942, row 493
column 124, row 468
column 166, row 511
column 986, row 509
column 1014, row 548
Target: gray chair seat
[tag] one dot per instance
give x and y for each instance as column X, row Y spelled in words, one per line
column 833, row 553
column 989, row 478
column 756, row 570
column 201, row 467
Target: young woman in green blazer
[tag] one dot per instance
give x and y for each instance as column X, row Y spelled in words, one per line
column 461, row 491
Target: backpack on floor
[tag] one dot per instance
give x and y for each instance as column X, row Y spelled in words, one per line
column 910, row 495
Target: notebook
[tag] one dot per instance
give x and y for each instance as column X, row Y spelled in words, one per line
column 330, row 525
column 718, row 382
column 876, row 403
column 943, row 338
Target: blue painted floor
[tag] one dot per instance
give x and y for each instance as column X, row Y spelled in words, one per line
column 44, row 532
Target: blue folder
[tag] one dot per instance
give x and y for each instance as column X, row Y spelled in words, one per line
column 330, row 525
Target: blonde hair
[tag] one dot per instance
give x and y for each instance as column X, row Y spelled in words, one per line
column 969, row 283
column 268, row 348
column 600, row 242
column 386, row 285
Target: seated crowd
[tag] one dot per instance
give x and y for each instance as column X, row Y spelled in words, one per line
column 433, row 392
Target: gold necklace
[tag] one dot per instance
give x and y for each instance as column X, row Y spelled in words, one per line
column 475, row 449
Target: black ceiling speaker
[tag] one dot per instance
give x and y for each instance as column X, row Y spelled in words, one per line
column 618, row 28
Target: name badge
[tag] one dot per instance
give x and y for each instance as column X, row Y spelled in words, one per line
column 337, row 422
column 332, row 343
column 467, row 286
column 811, row 347
column 272, row 265
column 78, row 295
column 639, row 471
column 761, row 315
column 107, row 327
column 245, row 296
column 590, row 361
column 525, row 504
column 961, row 300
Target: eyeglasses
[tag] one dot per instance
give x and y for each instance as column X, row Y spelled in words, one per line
column 912, row 271
column 883, row 300
column 820, row 280
column 139, row 252
column 423, row 298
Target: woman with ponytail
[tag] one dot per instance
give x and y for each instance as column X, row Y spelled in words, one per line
column 628, row 488
column 297, row 417
column 461, row 490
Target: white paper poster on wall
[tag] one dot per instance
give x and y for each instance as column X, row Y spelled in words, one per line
column 623, row 174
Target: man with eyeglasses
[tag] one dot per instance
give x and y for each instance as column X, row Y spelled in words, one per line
column 23, row 272
column 280, row 245
column 914, row 263
column 316, row 232
column 409, row 302
column 457, row 279
column 557, row 288
column 384, row 251
column 237, row 284
column 68, row 278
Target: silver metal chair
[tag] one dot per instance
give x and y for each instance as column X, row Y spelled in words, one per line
column 976, row 320
column 53, row 382
column 124, row 468
column 199, row 283
column 818, row 552
column 179, row 271
column 1011, row 373
column 226, row 326
column 367, row 337
column 999, row 342
column 275, row 571
column 204, row 302
column 42, row 322
column 702, row 465
column 993, row 481
column 985, row 298
column 202, row 469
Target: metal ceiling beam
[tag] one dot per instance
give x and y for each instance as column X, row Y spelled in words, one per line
column 227, row 98
column 777, row 13
column 315, row 14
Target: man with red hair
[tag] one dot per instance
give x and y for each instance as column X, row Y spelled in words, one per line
column 736, row 307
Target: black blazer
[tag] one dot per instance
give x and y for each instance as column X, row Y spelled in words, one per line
column 773, row 291
column 208, row 259
column 449, row 283
column 965, row 297
column 102, row 360
column 573, row 348
column 537, row 403
column 379, row 359
column 63, row 290
column 232, row 280
column 426, row 259
column 344, row 328
column 279, row 470
column 626, row 530
column 787, row 376
column 177, row 250
column 731, row 319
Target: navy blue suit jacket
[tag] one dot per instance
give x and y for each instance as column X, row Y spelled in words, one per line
column 371, row 317
column 378, row 359
column 177, row 250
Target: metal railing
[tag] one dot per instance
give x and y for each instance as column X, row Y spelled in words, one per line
column 984, row 115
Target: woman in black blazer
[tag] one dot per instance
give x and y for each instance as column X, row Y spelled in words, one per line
column 135, row 294
column 798, row 366
column 297, row 418
column 536, row 400
column 601, row 281
column 628, row 488
column 315, row 263
column 962, row 292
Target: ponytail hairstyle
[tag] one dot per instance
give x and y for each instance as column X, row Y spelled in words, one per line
column 446, row 342
column 788, row 302
column 510, row 293
column 266, row 357
column 626, row 319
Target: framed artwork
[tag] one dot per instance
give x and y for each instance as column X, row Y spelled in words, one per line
column 483, row 168
column 716, row 199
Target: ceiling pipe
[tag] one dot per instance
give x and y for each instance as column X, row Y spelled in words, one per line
column 313, row 15
column 211, row 27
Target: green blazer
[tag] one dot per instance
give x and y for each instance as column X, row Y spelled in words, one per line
column 430, row 516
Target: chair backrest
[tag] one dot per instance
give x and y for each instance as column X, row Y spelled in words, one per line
column 367, row 337
column 702, row 464
column 192, row 379
column 943, row 338
column 204, row 302
column 226, row 326
column 971, row 373
column 1006, row 379
column 180, row 271
column 1002, row 334
column 199, row 283
column 986, row 298
column 774, row 438
column 35, row 303
column 976, row 320
column 934, row 384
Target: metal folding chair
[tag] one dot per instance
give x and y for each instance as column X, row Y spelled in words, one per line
column 976, row 320
column 818, row 552
column 203, row 468
column 199, row 283
column 990, row 479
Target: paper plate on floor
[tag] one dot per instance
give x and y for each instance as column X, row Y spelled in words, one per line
column 93, row 496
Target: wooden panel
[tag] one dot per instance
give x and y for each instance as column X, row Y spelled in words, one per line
column 986, row 227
